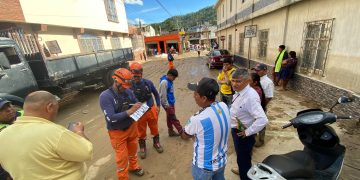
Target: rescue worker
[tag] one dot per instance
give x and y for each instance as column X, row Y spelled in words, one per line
column 118, row 103
column 143, row 90
column 170, row 60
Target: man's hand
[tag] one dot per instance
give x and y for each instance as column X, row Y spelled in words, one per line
column 241, row 134
column 79, row 128
column 135, row 107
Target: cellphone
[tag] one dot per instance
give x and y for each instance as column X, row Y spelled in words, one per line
column 71, row 126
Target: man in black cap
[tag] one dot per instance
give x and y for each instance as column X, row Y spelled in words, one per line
column 211, row 128
column 7, row 113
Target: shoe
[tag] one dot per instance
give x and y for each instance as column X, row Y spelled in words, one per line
column 172, row 133
column 138, row 172
column 259, row 143
column 235, row 170
column 157, row 145
column 142, row 145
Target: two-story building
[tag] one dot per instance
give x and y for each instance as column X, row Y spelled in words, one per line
column 324, row 34
column 65, row 27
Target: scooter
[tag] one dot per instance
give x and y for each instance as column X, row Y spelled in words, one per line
column 322, row 156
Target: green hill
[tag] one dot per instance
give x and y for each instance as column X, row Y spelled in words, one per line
column 207, row 14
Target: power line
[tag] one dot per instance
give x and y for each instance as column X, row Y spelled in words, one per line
column 163, row 7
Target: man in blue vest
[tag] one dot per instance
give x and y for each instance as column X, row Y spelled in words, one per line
column 167, row 100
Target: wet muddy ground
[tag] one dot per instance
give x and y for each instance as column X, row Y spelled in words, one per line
column 175, row 161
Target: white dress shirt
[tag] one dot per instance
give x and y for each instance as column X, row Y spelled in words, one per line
column 268, row 86
column 247, row 108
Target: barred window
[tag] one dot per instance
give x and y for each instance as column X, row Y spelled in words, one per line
column 230, row 5
column 90, row 43
column 262, row 44
column 316, row 37
column 229, row 42
column 111, row 10
column 115, row 42
column 241, row 44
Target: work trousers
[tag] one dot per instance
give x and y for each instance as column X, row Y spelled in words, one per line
column 172, row 120
column 125, row 144
column 171, row 65
column 243, row 148
column 150, row 118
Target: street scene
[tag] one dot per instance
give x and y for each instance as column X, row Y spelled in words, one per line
column 155, row 89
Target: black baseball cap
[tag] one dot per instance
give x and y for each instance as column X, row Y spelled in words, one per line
column 3, row 102
column 259, row 67
column 205, row 87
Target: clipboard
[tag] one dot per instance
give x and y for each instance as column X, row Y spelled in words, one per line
column 140, row 112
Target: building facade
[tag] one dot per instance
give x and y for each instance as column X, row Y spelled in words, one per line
column 322, row 32
column 65, row 27
column 161, row 44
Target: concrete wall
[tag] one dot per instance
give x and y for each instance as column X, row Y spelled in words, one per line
column 286, row 20
column 89, row 14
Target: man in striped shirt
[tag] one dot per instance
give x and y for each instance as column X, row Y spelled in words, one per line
column 210, row 128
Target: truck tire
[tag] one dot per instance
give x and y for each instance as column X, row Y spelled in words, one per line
column 107, row 78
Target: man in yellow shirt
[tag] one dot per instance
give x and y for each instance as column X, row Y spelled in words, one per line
column 224, row 79
column 36, row 148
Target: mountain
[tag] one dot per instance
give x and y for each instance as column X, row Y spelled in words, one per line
column 207, row 14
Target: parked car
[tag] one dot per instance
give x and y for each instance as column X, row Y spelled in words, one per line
column 216, row 58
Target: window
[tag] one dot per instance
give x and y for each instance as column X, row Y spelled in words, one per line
column 263, row 40
column 223, row 8
column 241, row 44
column 317, row 37
column 111, row 10
column 115, row 42
column 8, row 57
column 230, row 5
column 229, row 42
column 90, row 43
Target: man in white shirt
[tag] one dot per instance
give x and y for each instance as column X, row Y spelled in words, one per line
column 268, row 87
column 211, row 128
column 247, row 119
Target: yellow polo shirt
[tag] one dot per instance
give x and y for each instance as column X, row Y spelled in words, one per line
column 35, row 148
column 225, row 88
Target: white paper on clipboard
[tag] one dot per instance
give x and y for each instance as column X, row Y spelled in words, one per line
column 140, row 112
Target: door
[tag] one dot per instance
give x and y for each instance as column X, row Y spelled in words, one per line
column 16, row 77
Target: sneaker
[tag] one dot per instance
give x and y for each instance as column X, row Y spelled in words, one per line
column 172, row 133
column 235, row 170
column 138, row 172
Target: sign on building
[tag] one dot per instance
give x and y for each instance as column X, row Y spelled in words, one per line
column 250, row 31
column 222, row 38
column 53, row 46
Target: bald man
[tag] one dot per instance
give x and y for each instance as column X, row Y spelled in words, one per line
column 36, row 148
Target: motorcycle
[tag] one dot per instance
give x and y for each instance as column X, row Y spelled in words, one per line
column 322, row 156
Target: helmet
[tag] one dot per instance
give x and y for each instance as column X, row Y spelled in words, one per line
column 123, row 76
column 136, row 68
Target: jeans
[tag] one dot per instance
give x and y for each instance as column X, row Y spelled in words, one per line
column 202, row 174
column 243, row 148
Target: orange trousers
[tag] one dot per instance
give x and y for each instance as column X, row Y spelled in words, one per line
column 149, row 118
column 171, row 65
column 125, row 144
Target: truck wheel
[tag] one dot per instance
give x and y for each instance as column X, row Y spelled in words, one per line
column 107, row 78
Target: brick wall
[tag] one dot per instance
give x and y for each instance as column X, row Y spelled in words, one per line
column 324, row 93
column 11, row 11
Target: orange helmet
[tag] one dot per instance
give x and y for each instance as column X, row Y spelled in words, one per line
column 123, row 76
column 136, row 68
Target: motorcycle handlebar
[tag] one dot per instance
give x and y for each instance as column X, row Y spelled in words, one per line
column 343, row 117
column 287, row 125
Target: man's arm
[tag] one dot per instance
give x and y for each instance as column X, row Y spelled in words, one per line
column 163, row 93
column 155, row 92
column 257, row 112
column 72, row 147
column 108, row 107
column 189, row 129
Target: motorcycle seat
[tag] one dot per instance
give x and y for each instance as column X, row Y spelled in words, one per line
column 296, row 164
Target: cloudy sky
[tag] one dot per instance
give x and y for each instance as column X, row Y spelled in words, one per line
column 151, row 11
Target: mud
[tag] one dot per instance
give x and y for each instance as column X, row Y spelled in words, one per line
column 175, row 161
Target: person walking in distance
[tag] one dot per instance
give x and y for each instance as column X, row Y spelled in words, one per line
column 170, row 60
column 37, row 148
column 224, row 79
column 143, row 90
column 118, row 103
column 247, row 119
column 210, row 126
column 278, row 62
column 167, row 100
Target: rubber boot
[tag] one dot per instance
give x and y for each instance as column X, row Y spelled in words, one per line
column 142, row 151
column 157, row 145
column 172, row 133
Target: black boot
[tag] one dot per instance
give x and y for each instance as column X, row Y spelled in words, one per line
column 157, row 145
column 142, row 151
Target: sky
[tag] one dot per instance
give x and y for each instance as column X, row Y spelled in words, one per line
column 151, row 11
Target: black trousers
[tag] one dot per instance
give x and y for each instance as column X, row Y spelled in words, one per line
column 243, row 148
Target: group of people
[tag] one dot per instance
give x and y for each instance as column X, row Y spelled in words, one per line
column 284, row 69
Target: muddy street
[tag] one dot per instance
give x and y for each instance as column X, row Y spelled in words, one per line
column 175, row 161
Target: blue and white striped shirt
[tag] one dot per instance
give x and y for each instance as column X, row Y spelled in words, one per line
column 211, row 128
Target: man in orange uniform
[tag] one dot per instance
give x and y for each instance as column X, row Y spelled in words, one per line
column 118, row 103
column 143, row 90
column 171, row 60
